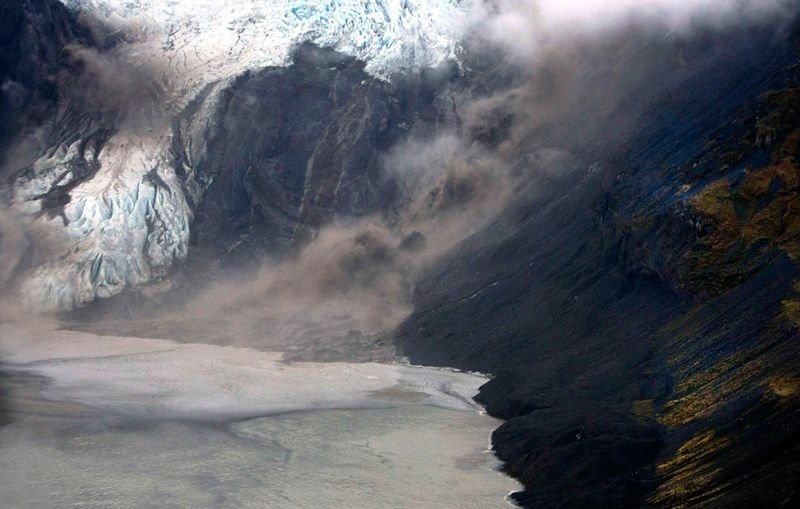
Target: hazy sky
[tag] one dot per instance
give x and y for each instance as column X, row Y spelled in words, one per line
column 524, row 26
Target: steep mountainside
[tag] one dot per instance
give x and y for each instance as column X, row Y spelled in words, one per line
column 642, row 323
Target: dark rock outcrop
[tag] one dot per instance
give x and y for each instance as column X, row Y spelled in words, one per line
column 300, row 146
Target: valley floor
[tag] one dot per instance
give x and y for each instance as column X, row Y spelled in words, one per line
column 127, row 422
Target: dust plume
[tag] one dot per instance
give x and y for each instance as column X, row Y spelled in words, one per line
column 563, row 82
column 354, row 281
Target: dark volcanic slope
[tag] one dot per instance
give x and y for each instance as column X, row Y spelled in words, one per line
column 642, row 318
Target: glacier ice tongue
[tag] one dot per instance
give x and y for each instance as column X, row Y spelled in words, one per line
column 121, row 228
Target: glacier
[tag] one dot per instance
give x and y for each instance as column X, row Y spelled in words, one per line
column 129, row 209
column 212, row 36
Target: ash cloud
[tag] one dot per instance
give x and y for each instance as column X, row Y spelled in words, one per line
column 23, row 245
column 126, row 93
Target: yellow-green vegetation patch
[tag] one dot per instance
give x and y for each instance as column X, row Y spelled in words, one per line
column 690, row 470
column 785, row 387
column 790, row 311
column 716, row 202
column 695, row 448
column 701, row 393
column 790, row 308
column 761, row 212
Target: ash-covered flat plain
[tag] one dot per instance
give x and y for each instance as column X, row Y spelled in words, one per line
column 100, row 421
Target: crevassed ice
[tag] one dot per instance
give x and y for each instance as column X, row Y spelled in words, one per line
column 124, row 226
column 130, row 221
column 386, row 34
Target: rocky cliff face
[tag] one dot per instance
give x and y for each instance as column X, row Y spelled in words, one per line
column 301, row 146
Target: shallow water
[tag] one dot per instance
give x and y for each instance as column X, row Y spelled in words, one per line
column 125, row 422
